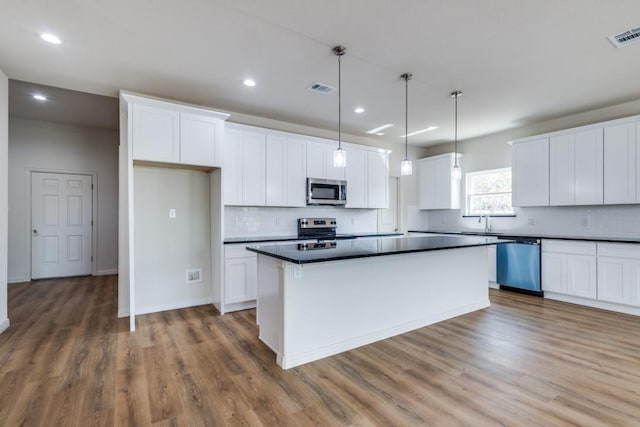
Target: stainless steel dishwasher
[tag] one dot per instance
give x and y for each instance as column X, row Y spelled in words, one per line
column 518, row 265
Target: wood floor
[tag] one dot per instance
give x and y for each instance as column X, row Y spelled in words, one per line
column 67, row 360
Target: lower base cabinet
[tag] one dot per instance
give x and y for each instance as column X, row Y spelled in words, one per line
column 619, row 273
column 240, row 278
column 569, row 267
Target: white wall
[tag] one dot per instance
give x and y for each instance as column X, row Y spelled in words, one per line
column 58, row 147
column 492, row 152
column 165, row 248
column 4, row 136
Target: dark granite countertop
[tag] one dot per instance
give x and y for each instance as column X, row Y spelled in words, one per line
column 360, row 248
column 515, row 234
column 232, row 240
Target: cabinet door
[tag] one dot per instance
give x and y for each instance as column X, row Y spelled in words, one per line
column 444, row 184
column 156, row 134
column 315, row 160
column 530, row 167
column 588, row 164
column 613, row 280
column 296, row 167
column 331, row 172
column 378, row 180
column 561, row 170
column 581, row 276
column 253, row 169
column 199, row 140
column 232, row 168
column 620, row 164
column 240, row 279
column 554, row 272
column 356, row 175
column 276, row 171
column 634, row 282
column 426, row 184
column 492, row 264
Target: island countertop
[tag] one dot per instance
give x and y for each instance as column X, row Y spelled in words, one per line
column 350, row 249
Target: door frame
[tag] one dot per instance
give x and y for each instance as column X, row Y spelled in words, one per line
column 94, row 214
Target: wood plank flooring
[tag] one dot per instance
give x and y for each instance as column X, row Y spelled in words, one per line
column 67, row 360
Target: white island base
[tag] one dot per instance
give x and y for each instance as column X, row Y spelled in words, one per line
column 306, row 312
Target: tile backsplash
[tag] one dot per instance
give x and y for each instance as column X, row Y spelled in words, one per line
column 240, row 221
column 588, row 221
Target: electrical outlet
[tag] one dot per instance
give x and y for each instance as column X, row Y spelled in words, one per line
column 531, row 221
column 585, row 221
column 277, row 221
column 443, row 220
column 353, row 220
column 172, row 213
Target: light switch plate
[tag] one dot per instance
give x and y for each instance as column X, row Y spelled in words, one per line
column 172, row 213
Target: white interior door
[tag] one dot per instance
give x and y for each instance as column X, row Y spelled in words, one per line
column 61, row 212
column 388, row 218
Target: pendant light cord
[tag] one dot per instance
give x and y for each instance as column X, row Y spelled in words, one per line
column 339, row 102
column 455, row 95
column 406, row 117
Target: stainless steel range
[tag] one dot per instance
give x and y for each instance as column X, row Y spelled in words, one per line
column 317, row 228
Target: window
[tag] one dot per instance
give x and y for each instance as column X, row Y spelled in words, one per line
column 489, row 192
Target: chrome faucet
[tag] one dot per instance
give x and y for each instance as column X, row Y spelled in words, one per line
column 487, row 223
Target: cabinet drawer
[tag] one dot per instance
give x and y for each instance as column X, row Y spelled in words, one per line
column 620, row 250
column 569, row 247
column 238, row 251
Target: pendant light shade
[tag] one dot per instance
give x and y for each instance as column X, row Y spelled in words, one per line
column 406, row 167
column 456, row 172
column 339, row 155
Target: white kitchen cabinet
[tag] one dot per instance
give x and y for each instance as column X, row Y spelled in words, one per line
column 569, row 267
column 357, row 178
column 244, row 168
column 156, row 133
column 492, row 265
column 437, row 188
column 620, row 157
column 240, row 275
column 619, row 273
column 377, row 180
column 576, row 168
column 320, row 161
column 285, row 171
column 199, row 140
column 530, row 172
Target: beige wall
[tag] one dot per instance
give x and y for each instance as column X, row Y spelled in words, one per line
column 4, row 141
column 165, row 248
column 57, row 147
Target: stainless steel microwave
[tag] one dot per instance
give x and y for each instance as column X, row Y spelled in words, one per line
column 326, row 192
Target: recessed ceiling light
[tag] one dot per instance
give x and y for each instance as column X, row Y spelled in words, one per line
column 379, row 128
column 39, row 97
column 380, row 133
column 249, row 82
column 359, row 110
column 430, row 128
column 50, row 38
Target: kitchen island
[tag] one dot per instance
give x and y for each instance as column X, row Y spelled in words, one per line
column 318, row 300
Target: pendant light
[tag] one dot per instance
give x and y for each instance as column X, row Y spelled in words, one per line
column 406, row 168
column 456, row 172
column 339, row 155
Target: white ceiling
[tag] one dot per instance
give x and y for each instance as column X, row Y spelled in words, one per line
column 516, row 61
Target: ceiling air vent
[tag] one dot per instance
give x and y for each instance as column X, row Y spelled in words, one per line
column 321, row 88
column 626, row 38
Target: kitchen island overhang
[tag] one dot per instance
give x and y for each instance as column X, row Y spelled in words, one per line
column 316, row 303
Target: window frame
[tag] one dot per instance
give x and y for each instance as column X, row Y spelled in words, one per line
column 467, row 194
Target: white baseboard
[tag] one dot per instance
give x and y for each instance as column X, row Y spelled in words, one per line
column 18, row 279
column 4, row 325
column 620, row 308
column 107, row 272
column 174, row 305
column 123, row 312
column 330, row 350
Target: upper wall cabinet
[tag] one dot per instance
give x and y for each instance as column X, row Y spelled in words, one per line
column 286, row 171
column 576, row 168
column 377, row 180
column 530, row 172
column 437, row 188
column 320, row 161
column 174, row 133
column 620, row 163
column 244, row 168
